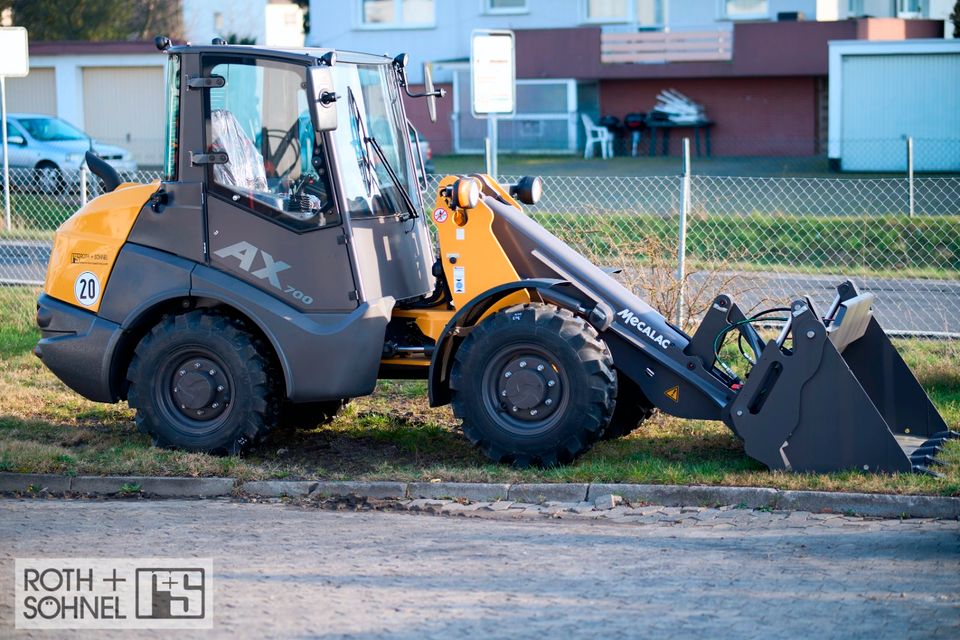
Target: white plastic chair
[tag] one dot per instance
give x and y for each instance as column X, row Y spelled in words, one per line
column 596, row 135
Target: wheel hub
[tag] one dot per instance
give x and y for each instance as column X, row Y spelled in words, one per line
column 200, row 389
column 528, row 388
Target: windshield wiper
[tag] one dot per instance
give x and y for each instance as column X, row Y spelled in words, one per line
column 407, row 200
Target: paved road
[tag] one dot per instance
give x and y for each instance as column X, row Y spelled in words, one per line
column 287, row 571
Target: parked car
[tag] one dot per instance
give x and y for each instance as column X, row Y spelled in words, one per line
column 55, row 150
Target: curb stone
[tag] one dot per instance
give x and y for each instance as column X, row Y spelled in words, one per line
column 670, row 495
column 279, row 488
column 376, row 490
column 473, row 491
column 30, row 482
column 866, row 504
column 547, row 492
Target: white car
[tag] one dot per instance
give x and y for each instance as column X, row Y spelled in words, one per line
column 55, row 150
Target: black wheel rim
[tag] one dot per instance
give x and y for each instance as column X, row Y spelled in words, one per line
column 194, row 391
column 525, row 390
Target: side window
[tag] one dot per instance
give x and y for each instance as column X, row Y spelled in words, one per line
column 276, row 165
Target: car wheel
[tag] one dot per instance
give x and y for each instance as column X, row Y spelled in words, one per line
column 48, row 178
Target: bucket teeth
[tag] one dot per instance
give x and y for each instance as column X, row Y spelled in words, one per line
column 926, row 471
column 946, row 435
column 925, row 460
column 927, row 450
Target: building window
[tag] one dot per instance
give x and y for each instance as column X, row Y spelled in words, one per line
column 397, row 14
column 644, row 13
column 744, row 9
column 505, row 6
column 910, row 8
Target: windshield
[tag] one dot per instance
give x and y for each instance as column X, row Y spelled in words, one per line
column 51, row 129
column 370, row 107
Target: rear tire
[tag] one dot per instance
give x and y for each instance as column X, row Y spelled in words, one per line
column 632, row 410
column 533, row 385
column 202, row 382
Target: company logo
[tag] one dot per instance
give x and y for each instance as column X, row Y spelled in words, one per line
column 246, row 253
column 113, row 593
column 89, row 258
column 631, row 319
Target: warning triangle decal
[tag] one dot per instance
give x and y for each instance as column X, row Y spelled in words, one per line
column 673, row 393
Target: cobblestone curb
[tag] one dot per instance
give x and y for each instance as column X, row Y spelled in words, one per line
column 498, row 495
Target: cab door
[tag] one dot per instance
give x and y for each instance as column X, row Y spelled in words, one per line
column 272, row 217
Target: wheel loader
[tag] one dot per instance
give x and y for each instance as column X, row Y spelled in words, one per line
column 285, row 260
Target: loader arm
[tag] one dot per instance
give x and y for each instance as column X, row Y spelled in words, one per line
column 836, row 397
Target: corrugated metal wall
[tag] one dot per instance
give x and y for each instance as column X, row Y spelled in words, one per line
column 887, row 97
column 36, row 93
column 124, row 106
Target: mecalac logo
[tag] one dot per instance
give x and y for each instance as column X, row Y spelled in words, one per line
column 632, row 320
column 246, row 253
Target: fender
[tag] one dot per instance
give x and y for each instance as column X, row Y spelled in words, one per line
column 470, row 314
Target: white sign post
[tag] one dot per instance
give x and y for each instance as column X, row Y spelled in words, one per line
column 493, row 83
column 14, row 63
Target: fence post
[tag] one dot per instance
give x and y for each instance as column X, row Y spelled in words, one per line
column 682, row 244
column 910, row 199
column 83, row 185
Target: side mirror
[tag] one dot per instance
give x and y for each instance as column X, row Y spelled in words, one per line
column 431, row 94
column 17, row 140
column 323, row 99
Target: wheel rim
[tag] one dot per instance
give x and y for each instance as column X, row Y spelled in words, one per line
column 525, row 390
column 194, row 391
column 49, row 179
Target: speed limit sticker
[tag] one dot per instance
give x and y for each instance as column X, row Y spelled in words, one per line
column 86, row 288
column 440, row 215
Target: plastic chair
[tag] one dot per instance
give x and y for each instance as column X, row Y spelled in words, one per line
column 596, row 135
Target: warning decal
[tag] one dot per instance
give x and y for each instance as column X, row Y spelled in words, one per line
column 673, row 393
column 440, row 215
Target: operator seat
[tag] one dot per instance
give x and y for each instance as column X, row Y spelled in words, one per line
column 244, row 169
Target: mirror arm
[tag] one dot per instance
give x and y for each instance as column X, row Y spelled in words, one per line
column 437, row 93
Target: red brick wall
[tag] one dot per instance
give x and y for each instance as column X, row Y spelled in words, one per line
column 753, row 116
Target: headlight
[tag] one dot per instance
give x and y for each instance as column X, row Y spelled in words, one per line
column 74, row 158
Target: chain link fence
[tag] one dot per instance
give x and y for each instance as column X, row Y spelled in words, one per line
column 762, row 240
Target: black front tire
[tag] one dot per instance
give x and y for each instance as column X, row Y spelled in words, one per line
column 202, row 382
column 632, row 410
column 533, row 385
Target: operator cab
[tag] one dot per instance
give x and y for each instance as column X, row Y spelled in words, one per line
column 312, row 191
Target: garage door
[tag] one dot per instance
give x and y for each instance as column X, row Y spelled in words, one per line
column 36, row 93
column 124, row 106
column 887, row 97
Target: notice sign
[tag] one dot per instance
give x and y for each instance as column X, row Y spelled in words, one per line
column 493, row 73
column 14, row 61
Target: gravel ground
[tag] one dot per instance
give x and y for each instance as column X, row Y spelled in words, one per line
column 519, row 571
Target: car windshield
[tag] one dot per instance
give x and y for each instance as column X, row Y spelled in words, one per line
column 51, row 129
column 371, row 108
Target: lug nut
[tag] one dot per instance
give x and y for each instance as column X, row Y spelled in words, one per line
column 523, row 363
column 514, row 409
column 507, row 374
column 183, row 372
column 548, row 402
column 533, row 412
column 220, row 387
column 550, row 383
column 197, row 365
column 183, row 406
column 199, row 412
column 539, row 367
column 212, row 371
column 504, row 393
column 215, row 405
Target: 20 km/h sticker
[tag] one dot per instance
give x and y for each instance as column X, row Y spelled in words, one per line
column 86, row 288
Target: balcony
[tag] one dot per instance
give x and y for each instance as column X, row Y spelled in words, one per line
column 652, row 47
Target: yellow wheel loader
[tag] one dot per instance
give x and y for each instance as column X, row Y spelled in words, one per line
column 285, row 260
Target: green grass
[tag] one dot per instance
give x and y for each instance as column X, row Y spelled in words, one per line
column 393, row 434
column 923, row 246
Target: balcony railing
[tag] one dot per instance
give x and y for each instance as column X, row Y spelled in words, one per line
column 659, row 46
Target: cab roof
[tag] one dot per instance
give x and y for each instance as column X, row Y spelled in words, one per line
column 306, row 54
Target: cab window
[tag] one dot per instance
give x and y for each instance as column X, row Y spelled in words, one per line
column 276, row 165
